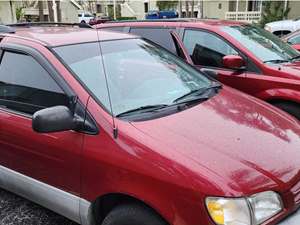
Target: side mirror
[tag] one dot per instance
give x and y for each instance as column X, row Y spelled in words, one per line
column 235, row 62
column 54, row 119
column 297, row 47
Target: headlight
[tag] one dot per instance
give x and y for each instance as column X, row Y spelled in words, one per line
column 244, row 211
column 265, row 205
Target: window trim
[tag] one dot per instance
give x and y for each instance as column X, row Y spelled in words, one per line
column 1, row 55
column 47, row 66
column 249, row 62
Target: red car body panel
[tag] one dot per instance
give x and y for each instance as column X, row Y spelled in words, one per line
column 218, row 148
column 132, row 167
column 268, row 85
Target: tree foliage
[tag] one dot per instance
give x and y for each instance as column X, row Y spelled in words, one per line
column 19, row 13
column 167, row 5
column 273, row 11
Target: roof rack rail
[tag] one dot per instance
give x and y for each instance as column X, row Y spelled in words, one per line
column 6, row 29
column 31, row 24
column 158, row 20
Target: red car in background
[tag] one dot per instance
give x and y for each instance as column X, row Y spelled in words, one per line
column 100, row 19
column 244, row 56
column 107, row 128
column 293, row 39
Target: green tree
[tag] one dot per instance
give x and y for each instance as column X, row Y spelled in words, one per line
column 273, row 11
column 167, row 5
column 19, row 13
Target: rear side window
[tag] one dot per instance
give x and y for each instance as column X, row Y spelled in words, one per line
column 26, row 87
column 159, row 36
column 118, row 29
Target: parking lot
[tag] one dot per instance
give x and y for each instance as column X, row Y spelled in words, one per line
column 18, row 211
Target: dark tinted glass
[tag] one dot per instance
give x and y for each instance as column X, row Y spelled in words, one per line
column 207, row 49
column 25, row 86
column 160, row 36
column 118, row 29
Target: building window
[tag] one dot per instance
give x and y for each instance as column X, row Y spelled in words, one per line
column 146, row 7
column 220, row 6
column 99, row 8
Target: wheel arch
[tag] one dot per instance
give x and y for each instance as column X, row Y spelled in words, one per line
column 102, row 205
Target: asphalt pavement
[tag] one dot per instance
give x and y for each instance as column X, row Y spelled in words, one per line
column 15, row 210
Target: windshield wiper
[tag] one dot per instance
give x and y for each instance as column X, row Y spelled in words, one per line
column 143, row 109
column 195, row 95
column 198, row 94
column 277, row 61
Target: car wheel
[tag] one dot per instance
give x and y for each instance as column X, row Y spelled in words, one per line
column 82, row 21
column 289, row 107
column 133, row 214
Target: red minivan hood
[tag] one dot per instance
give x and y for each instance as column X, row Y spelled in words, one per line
column 246, row 143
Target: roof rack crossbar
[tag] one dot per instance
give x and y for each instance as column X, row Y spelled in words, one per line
column 30, row 24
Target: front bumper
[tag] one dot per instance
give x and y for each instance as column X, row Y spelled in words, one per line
column 293, row 219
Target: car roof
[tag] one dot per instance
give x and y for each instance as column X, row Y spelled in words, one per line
column 65, row 35
column 175, row 22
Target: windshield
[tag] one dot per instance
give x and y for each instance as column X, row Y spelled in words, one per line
column 264, row 45
column 138, row 73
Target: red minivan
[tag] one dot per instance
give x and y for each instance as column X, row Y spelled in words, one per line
column 244, row 56
column 110, row 129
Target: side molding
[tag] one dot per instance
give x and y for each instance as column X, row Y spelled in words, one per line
column 59, row 201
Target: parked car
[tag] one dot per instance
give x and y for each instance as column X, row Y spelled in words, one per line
column 156, row 14
column 99, row 20
column 107, row 128
column 283, row 27
column 85, row 17
column 244, row 56
column 293, row 39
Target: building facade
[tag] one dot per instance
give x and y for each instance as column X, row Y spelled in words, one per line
column 7, row 12
column 66, row 11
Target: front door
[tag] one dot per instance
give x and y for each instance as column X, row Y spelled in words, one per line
column 207, row 51
column 54, row 158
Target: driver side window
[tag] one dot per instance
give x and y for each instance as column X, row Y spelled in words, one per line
column 207, row 49
column 26, row 87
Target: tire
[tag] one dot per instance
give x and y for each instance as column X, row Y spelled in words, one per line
column 289, row 107
column 82, row 21
column 133, row 214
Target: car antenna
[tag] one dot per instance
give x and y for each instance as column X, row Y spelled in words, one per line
column 115, row 129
